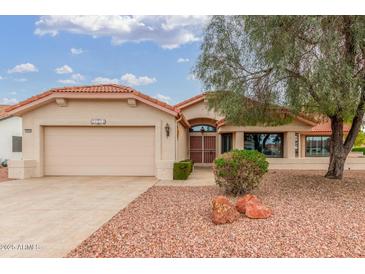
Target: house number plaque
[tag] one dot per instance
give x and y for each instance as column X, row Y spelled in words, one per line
column 98, row 121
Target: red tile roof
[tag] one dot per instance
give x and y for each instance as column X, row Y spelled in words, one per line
column 190, row 100
column 322, row 127
column 3, row 114
column 3, row 107
column 326, row 127
column 97, row 89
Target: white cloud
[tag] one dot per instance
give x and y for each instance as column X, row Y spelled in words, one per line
column 183, row 60
column 13, row 93
column 2, row 78
column 76, row 51
column 21, row 79
column 134, row 80
column 75, row 78
column 66, row 81
column 8, row 101
column 167, row 31
column 63, row 70
column 163, row 98
column 105, row 80
column 78, row 77
column 22, row 68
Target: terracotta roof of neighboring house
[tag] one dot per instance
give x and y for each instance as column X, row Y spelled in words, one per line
column 325, row 127
column 97, row 89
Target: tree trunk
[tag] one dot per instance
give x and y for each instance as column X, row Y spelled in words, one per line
column 337, row 152
column 339, row 149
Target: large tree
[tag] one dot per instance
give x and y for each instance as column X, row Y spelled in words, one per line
column 260, row 66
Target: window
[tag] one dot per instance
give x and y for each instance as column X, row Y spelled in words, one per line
column 202, row 128
column 317, row 146
column 17, row 144
column 270, row 144
column 226, row 142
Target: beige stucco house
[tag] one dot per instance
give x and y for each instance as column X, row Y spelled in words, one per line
column 118, row 131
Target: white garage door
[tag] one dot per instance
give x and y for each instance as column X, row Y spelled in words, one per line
column 125, row 151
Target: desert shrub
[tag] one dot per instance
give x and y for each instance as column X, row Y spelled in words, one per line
column 182, row 169
column 240, row 171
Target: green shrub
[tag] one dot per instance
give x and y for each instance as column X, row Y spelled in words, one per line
column 359, row 149
column 191, row 164
column 240, row 171
column 360, row 139
column 182, row 169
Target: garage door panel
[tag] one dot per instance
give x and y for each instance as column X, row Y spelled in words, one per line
column 105, row 151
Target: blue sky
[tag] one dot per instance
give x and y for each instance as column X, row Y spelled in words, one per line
column 153, row 54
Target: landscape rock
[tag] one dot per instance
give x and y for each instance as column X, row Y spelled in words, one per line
column 242, row 202
column 256, row 210
column 223, row 211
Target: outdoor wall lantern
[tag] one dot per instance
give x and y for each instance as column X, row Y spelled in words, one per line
column 167, row 129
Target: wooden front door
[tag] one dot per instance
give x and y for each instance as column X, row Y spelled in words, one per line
column 202, row 148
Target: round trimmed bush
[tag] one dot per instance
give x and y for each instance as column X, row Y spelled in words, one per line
column 239, row 171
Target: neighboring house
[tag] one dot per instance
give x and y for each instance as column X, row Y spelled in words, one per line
column 10, row 136
column 116, row 130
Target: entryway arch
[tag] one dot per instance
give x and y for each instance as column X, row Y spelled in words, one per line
column 203, row 140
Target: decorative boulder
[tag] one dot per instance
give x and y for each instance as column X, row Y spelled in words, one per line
column 242, row 202
column 255, row 210
column 223, row 211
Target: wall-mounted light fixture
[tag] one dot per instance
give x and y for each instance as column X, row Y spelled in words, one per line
column 167, row 129
column 202, row 130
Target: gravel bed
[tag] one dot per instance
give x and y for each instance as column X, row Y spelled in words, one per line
column 312, row 217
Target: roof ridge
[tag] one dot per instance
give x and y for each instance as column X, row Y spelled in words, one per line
column 91, row 86
column 191, row 99
column 84, row 89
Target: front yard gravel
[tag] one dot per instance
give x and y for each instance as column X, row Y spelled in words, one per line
column 312, row 217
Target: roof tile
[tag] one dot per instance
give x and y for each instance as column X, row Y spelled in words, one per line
column 107, row 88
column 326, row 127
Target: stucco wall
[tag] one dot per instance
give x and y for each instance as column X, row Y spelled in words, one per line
column 199, row 110
column 8, row 128
column 116, row 112
column 182, row 143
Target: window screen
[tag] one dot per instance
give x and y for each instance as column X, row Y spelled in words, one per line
column 17, row 144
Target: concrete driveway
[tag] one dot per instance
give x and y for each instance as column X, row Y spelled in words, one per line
column 47, row 217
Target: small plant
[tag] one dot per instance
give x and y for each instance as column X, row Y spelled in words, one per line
column 240, row 171
column 182, row 169
column 4, row 163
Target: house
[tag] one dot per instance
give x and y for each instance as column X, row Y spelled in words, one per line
column 116, row 130
column 10, row 136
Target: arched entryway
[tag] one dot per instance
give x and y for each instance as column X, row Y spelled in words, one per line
column 203, row 141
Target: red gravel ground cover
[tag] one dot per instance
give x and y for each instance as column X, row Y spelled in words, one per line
column 312, row 217
column 3, row 174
